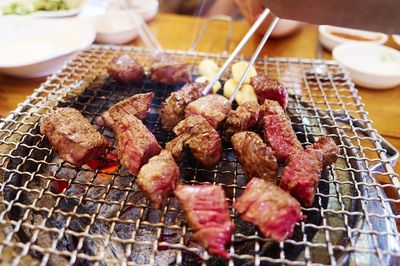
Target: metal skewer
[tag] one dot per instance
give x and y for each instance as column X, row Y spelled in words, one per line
column 240, row 46
column 254, row 57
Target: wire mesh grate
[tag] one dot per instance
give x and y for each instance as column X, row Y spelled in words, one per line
column 55, row 213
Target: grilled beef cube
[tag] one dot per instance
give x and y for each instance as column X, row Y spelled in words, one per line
column 202, row 139
column 268, row 207
column 266, row 88
column 159, row 177
column 135, row 143
column 281, row 136
column 137, row 105
column 167, row 70
column 270, row 107
column 72, row 136
column 301, row 175
column 173, row 109
column 243, row 118
column 125, row 69
column 330, row 151
column 212, row 107
column 206, row 211
column 256, row 158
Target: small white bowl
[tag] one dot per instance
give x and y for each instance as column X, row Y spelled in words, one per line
column 146, row 9
column 371, row 66
column 330, row 36
column 116, row 27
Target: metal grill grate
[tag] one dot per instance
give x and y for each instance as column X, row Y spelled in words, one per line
column 54, row 213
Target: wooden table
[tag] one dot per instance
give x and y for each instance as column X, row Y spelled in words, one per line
column 178, row 32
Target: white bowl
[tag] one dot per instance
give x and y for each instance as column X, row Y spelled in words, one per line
column 371, row 66
column 116, row 27
column 330, row 36
column 146, row 9
column 33, row 47
column 285, row 27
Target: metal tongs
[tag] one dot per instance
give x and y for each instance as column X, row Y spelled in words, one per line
column 240, row 46
column 145, row 33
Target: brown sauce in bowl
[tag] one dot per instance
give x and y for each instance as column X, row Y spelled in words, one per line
column 353, row 37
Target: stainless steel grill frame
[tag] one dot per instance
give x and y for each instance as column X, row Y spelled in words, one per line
column 356, row 221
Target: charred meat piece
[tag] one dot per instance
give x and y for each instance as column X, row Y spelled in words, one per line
column 243, row 118
column 330, row 151
column 159, row 177
column 135, row 143
column 71, row 134
column 301, row 175
column 167, row 70
column 268, row 207
column 256, row 158
column 213, row 107
column 173, row 109
column 266, row 88
column 137, row 105
column 203, row 141
column 270, row 107
column 125, row 69
column 206, row 211
column 281, row 136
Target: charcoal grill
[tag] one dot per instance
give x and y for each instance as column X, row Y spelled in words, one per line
column 54, row 213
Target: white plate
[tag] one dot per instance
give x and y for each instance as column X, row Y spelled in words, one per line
column 117, row 27
column 330, row 40
column 45, row 14
column 371, row 66
column 32, row 47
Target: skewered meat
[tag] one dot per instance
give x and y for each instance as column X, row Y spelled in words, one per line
column 173, row 109
column 213, row 107
column 270, row 208
column 135, row 143
column 281, row 136
column 203, row 141
column 159, row 177
column 330, row 151
column 256, row 158
column 266, row 88
column 243, row 118
column 167, row 70
column 125, row 69
column 137, row 105
column 71, row 134
column 301, row 175
column 206, row 211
